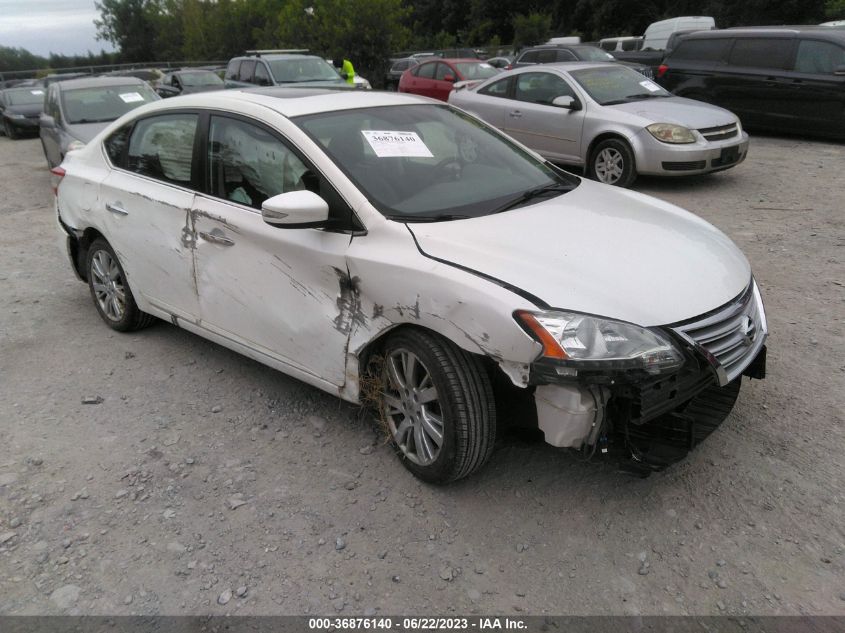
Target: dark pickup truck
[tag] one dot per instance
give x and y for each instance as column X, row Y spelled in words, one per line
column 650, row 57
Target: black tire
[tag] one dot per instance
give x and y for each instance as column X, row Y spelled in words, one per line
column 10, row 129
column 612, row 162
column 464, row 403
column 128, row 319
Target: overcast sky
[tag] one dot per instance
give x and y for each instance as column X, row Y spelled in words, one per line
column 50, row 26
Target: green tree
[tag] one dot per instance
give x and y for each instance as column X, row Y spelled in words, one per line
column 129, row 25
column 531, row 29
column 365, row 31
column 834, row 9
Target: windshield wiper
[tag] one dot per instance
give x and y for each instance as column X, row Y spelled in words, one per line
column 440, row 217
column 636, row 97
column 537, row 192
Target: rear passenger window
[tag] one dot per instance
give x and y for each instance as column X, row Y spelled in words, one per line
column 546, row 57
column 426, row 71
column 162, row 147
column 115, row 145
column 819, row 58
column 761, row 52
column 702, row 50
column 247, row 165
column 497, row 89
column 262, row 77
column 247, row 67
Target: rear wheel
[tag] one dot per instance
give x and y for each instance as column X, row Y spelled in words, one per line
column 110, row 290
column 437, row 402
column 612, row 162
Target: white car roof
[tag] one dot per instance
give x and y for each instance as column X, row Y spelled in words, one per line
column 292, row 102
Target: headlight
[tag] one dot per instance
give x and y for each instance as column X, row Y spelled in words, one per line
column 75, row 145
column 588, row 342
column 671, row 133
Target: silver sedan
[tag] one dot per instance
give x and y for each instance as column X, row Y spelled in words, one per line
column 608, row 119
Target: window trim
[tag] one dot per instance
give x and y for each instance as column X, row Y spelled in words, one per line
column 205, row 191
column 125, row 155
column 508, row 81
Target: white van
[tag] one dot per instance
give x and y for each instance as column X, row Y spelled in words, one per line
column 657, row 34
column 625, row 43
column 572, row 39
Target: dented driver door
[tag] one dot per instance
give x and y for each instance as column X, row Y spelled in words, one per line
column 282, row 293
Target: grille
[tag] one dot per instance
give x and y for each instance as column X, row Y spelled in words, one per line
column 720, row 132
column 647, row 72
column 731, row 336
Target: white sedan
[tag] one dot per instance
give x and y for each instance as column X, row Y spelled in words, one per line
column 397, row 252
column 608, row 119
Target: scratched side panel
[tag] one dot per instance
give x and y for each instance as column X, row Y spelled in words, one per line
column 284, row 292
column 397, row 285
column 153, row 240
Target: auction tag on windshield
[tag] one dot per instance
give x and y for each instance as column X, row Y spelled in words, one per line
column 650, row 86
column 37, row 92
column 131, row 97
column 388, row 144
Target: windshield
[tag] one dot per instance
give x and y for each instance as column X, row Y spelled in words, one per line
column 474, row 70
column 200, row 79
column 430, row 162
column 301, row 69
column 593, row 54
column 29, row 96
column 609, row 85
column 104, row 103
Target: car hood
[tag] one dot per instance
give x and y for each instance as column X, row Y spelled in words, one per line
column 86, row 131
column 29, row 109
column 600, row 250
column 687, row 112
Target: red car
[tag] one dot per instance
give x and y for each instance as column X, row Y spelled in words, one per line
column 437, row 77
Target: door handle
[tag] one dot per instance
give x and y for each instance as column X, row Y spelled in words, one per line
column 216, row 237
column 515, row 114
column 116, row 208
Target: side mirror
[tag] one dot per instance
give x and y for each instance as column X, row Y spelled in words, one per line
column 167, row 91
column 839, row 70
column 45, row 120
column 449, row 78
column 568, row 103
column 295, row 210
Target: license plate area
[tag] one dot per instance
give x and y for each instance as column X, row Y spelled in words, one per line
column 729, row 155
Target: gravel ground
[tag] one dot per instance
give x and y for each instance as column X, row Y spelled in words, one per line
column 204, row 482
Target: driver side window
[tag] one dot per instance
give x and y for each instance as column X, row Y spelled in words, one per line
column 247, row 165
column 541, row 88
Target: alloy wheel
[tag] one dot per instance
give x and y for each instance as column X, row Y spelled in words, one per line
column 412, row 407
column 609, row 165
column 108, row 285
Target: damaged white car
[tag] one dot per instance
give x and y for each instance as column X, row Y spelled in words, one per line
column 390, row 249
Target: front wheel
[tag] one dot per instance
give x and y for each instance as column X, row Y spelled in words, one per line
column 10, row 129
column 437, row 403
column 612, row 162
column 110, row 290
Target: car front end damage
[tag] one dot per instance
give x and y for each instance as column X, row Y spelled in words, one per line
column 651, row 409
